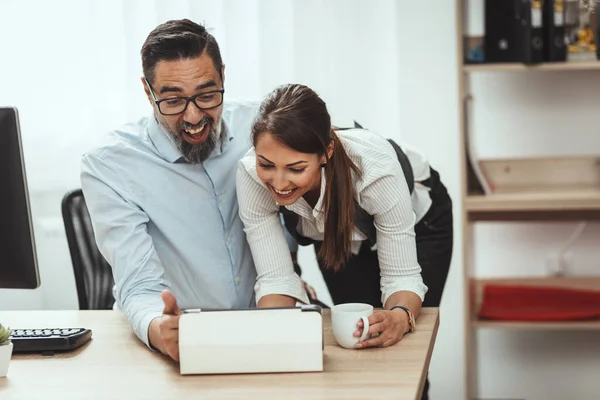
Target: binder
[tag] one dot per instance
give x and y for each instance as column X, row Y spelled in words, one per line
column 554, row 16
column 514, row 31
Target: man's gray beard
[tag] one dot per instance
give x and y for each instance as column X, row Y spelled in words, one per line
column 198, row 153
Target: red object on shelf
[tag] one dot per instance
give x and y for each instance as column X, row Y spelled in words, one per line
column 536, row 303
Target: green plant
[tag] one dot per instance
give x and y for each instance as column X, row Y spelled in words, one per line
column 4, row 335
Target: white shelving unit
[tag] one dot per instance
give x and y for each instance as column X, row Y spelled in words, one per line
column 576, row 204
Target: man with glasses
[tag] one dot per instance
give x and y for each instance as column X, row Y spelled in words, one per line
column 161, row 193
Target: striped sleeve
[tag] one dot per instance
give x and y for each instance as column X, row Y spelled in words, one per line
column 268, row 244
column 387, row 198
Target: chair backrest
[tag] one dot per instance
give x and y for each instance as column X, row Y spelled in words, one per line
column 93, row 275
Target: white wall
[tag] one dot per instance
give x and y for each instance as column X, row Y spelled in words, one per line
column 428, row 114
column 389, row 64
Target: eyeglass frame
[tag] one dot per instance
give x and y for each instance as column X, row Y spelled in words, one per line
column 187, row 99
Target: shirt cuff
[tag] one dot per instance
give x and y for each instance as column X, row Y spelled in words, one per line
column 144, row 328
column 412, row 285
column 289, row 286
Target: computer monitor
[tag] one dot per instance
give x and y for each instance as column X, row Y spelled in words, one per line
column 18, row 259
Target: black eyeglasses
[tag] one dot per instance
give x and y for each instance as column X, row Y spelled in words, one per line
column 178, row 105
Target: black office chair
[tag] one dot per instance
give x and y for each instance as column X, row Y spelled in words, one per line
column 93, row 275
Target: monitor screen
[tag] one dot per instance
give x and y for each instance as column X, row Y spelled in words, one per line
column 18, row 260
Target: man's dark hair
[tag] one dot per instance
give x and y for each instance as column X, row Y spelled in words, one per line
column 175, row 40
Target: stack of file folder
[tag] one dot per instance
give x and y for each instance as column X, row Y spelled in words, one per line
column 527, row 31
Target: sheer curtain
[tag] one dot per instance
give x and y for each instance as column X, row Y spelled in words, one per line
column 72, row 67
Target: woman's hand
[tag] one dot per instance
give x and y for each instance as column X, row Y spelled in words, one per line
column 388, row 326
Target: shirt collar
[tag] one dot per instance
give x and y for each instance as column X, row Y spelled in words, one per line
column 226, row 137
column 163, row 141
column 166, row 147
column 302, row 207
column 317, row 210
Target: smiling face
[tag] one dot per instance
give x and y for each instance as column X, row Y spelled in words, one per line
column 196, row 131
column 287, row 173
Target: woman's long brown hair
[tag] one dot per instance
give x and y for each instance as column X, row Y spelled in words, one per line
column 297, row 117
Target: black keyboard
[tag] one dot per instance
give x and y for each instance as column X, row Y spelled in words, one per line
column 48, row 341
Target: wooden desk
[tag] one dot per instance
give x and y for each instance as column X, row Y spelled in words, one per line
column 116, row 365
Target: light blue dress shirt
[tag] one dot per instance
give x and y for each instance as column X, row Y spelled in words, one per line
column 162, row 223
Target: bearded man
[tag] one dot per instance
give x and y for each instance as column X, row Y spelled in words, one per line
column 161, row 193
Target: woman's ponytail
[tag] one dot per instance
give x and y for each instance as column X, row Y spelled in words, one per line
column 339, row 207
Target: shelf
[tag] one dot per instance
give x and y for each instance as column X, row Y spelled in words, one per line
column 584, row 283
column 516, row 67
column 563, row 205
column 541, row 326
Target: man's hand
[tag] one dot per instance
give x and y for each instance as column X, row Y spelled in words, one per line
column 164, row 331
column 388, row 326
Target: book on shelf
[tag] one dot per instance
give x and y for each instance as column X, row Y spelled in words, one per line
column 529, row 303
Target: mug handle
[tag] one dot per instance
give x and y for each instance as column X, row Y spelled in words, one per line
column 365, row 333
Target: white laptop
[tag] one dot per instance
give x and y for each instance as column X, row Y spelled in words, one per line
column 256, row 340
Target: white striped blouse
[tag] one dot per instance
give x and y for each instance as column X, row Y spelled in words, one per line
column 381, row 191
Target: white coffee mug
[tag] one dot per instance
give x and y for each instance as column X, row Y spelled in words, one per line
column 344, row 319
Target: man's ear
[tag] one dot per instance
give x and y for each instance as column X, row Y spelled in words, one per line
column 223, row 75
